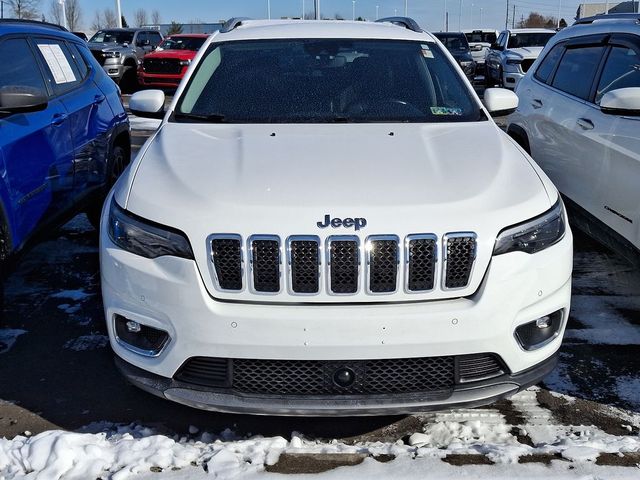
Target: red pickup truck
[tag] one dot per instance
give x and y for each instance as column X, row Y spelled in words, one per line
column 166, row 66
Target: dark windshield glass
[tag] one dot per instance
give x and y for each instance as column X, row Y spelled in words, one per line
column 521, row 40
column 112, row 36
column 333, row 80
column 182, row 43
column 453, row 42
column 481, row 37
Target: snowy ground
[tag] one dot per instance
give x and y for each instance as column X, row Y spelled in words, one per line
column 66, row 413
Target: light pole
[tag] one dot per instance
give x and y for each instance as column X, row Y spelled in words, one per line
column 559, row 11
column 406, row 8
column 118, row 14
column 269, row 9
column 444, row 23
column 1, row 8
column 377, row 12
column 63, row 9
column 353, row 13
column 460, row 17
column 317, row 9
column 480, row 17
column 302, row 17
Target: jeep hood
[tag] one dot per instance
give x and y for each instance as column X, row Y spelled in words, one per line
column 270, row 173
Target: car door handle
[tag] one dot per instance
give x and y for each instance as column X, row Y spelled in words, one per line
column 58, row 119
column 586, row 124
column 98, row 99
column 535, row 103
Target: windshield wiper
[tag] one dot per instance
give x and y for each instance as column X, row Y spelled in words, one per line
column 204, row 118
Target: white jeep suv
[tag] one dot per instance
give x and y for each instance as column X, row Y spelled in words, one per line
column 512, row 55
column 579, row 117
column 328, row 222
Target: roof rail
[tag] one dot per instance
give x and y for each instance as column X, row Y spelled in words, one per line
column 233, row 23
column 610, row 16
column 33, row 22
column 406, row 22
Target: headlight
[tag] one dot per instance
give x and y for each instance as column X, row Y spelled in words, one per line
column 185, row 62
column 145, row 238
column 514, row 61
column 111, row 54
column 533, row 235
column 466, row 63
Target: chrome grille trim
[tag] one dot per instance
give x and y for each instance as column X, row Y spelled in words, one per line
column 251, row 249
column 466, row 248
column 407, row 260
column 368, row 250
column 343, row 238
column 212, row 263
column 445, row 244
column 303, row 238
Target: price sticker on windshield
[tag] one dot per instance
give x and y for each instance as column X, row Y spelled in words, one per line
column 426, row 51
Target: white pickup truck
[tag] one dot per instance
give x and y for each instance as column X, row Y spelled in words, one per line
column 329, row 222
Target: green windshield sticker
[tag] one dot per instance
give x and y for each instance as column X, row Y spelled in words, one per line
column 446, row 111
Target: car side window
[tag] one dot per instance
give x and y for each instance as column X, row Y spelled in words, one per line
column 83, row 68
column 61, row 69
column 548, row 64
column 577, row 70
column 621, row 70
column 500, row 40
column 19, row 66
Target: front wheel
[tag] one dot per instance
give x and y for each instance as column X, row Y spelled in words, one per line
column 118, row 161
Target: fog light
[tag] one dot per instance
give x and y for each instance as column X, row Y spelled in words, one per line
column 138, row 338
column 344, row 377
column 133, row 327
column 539, row 332
column 544, row 322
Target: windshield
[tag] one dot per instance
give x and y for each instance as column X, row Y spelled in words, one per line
column 520, row 40
column 334, row 80
column 182, row 43
column 481, row 37
column 454, row 43
column 112, row 36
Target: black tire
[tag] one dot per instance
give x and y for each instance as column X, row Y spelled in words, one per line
column 488, row 81
column 129, row 81
column 118, row 161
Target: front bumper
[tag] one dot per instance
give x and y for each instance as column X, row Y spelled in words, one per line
column 478, row 393
column 168, row 293
column 114, row 70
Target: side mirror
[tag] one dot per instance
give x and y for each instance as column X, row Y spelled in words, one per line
column 147, row 104
column 21, row 99
column 500, row 101
column 496, row 46
column 623, row 101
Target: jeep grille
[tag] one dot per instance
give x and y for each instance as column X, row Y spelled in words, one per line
column 349, row 266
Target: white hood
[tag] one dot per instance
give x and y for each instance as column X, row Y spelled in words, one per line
column 282, row 179
column 526, row 52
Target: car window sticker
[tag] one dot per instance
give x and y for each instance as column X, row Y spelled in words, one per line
column 57, row 63
column 446, row 111
column 426, row 51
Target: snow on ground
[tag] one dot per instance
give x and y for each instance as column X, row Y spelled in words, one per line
column 122, row 452
column 8, row 337
column 93, row 341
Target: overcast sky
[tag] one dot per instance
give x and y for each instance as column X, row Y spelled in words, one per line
column 429, row 13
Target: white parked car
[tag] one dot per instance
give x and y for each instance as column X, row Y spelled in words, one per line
column 512, row 55
column 579, row 117
column 329, row 222
column 480, row 41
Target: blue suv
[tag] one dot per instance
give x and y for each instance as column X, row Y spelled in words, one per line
column 64, row 133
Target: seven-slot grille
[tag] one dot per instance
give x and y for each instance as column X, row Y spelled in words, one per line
column 344, row 275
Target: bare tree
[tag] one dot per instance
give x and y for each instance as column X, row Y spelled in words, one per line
column 155, row 17
column 72, row 9
column 537, row 20
column 110, row 18
column 98, row 21
column 74, row 14
column 140, row 17
column 25, row 9
column 175, row 28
